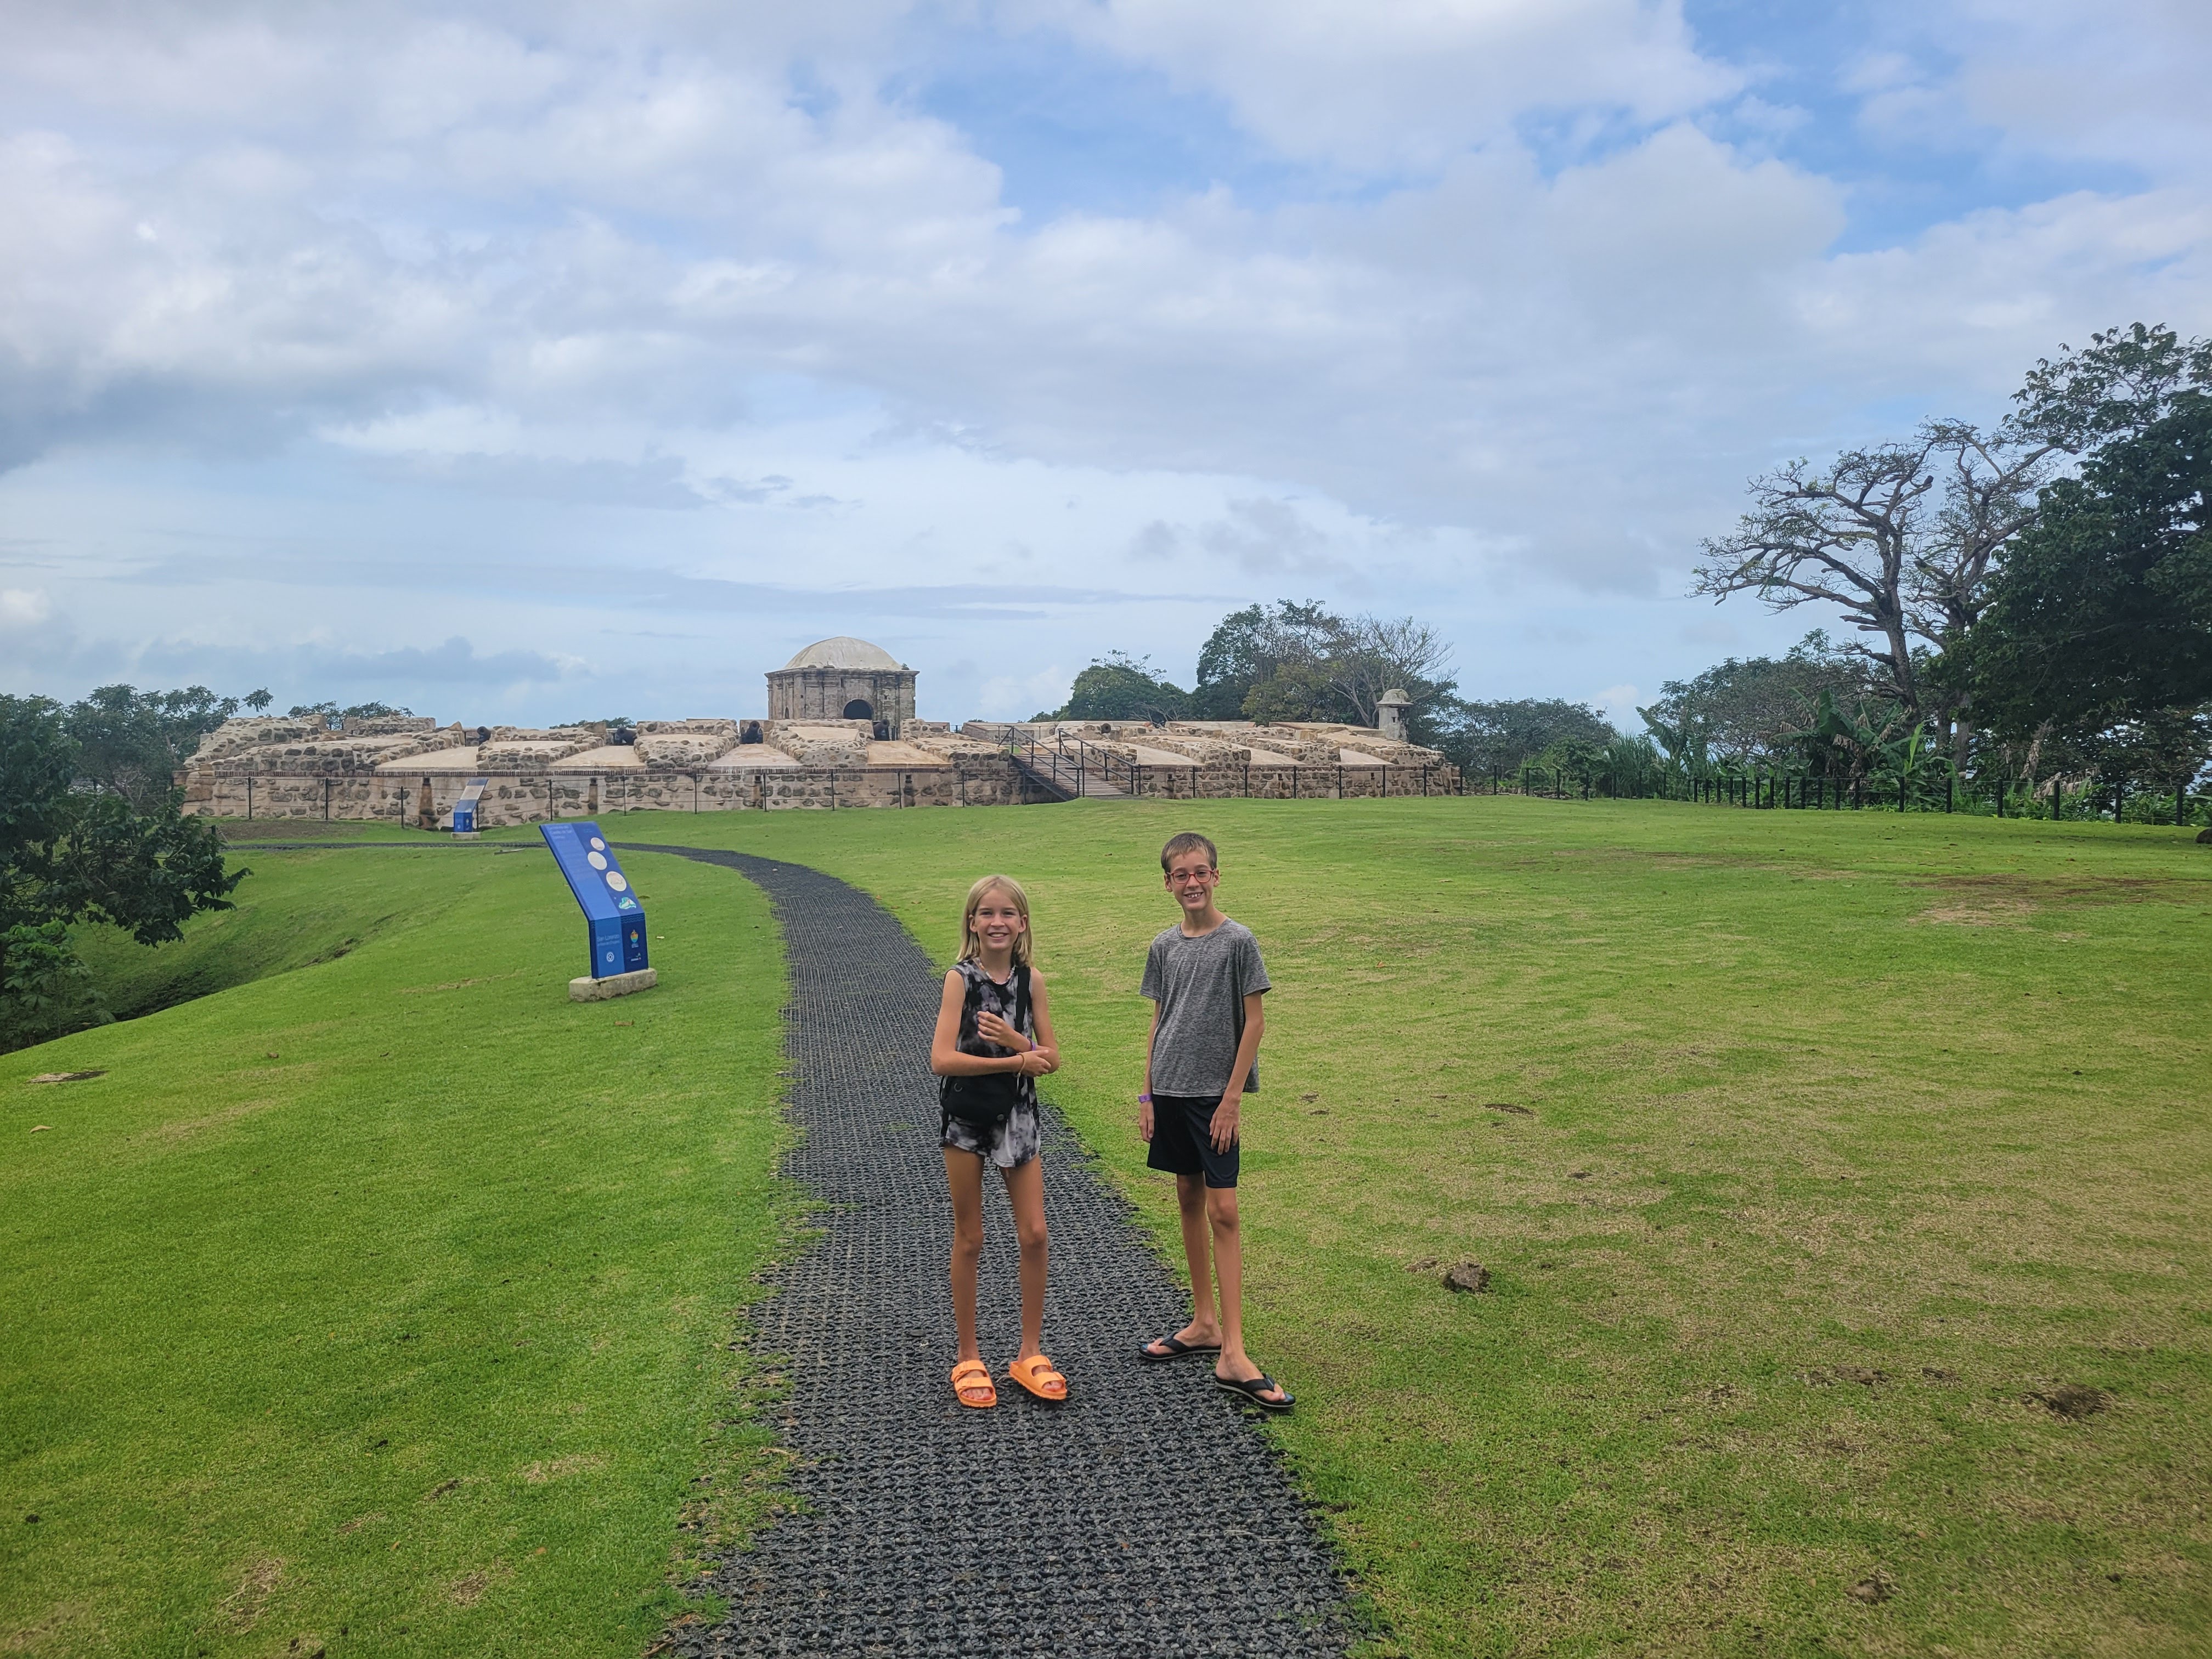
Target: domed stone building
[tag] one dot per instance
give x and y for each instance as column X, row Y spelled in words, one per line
column 844, row 679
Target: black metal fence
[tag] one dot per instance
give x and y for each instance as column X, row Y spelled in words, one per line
column 1944, row 791
column 1073, row 766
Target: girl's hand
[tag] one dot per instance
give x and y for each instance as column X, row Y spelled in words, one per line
column 1035, row 1063
column 992, row 1028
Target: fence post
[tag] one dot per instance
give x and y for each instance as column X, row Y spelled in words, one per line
column 1950, row 780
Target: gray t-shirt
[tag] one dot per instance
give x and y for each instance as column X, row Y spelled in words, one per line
column 1200, row 985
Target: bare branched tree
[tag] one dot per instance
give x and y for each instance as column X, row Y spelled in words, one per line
column 1374, row 654
column 1901, row 538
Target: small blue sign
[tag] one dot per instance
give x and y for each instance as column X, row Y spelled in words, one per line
column 465, row 809
column 612, row 916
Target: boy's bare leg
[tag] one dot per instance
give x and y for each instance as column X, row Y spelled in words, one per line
column 963, row 1174
column 1204, row 1326
column 1229, row 1265
column 1025, row 1195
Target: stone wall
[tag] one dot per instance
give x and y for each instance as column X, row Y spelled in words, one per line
column 537, row 796
column 823, row 694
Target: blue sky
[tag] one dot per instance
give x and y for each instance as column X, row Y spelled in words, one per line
column 529, row 363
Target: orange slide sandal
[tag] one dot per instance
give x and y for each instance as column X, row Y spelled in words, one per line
column 972, row 1386
column 1037, row 1375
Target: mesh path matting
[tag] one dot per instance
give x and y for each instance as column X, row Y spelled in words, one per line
column 1144, row 1515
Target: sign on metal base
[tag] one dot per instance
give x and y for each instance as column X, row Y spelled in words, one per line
column 613, row 920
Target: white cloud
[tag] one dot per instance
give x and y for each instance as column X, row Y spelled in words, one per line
column 1392, row 84
column 23, row 607
column 531, row 283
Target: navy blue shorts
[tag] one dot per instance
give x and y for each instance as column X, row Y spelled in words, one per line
column 1182, row 1128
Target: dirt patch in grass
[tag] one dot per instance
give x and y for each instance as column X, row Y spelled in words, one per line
column 2066, row 889
column 1993, row 912
column 242, row 1606
column 185, row 1128
column 538, row 1475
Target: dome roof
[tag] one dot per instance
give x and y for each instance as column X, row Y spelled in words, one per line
column 844, row 652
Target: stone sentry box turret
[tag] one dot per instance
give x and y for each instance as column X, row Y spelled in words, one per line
column 844, row 679
column 614, row 919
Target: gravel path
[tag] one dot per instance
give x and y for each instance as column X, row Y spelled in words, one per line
column 1142, row 1516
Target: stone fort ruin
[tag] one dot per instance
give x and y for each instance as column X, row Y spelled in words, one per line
column 840, row 731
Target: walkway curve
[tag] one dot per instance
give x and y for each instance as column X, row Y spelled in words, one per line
column 1143, row 1517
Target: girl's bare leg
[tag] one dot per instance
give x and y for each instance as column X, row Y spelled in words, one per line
column 963, row 1174
column 1025, row 1195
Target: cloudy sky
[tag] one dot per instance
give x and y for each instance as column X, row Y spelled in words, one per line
column 533, row 361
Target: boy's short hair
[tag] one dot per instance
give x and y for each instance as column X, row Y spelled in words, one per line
column 1190, row 841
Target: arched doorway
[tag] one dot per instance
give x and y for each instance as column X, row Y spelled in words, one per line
column 859, row 709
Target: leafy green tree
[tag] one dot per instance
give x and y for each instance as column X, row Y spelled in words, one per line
column 1481, row 737
column 2104, row 611
column 258, row 702
column 1286, row 643
column 133, row 742
column 1120, row 687
column 1746, row 713
column 70, row 854
column 1303, row 662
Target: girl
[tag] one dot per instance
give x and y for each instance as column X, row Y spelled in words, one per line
column 993, row 1038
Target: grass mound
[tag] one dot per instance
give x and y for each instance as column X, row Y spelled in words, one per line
column 291, row 912
column 1840, row 1181
column 382, row 1304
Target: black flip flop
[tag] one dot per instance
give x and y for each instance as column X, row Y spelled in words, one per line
column 1253, row 1387
column 1177, row 1348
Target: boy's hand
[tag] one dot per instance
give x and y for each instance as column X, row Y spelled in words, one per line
column 1145, row 1120
column 1225, row 1122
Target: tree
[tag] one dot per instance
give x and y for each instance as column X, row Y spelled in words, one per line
column 1906, row 538
column 1746, row 712
column 1899, row 537
column 2122, row 382
column 133, row 742
column 68, row 854
column 2104, row 610
column 1287, row 644
column 1375, row 654
column 258, row 700
column 1120, row 687
column 1482, row 738
column 360, row 711
column 1303, row 662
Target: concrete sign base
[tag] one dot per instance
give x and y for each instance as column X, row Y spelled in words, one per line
column 614, row 985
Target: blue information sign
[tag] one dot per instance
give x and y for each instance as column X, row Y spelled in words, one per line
column 612, row 916
column 465, row 809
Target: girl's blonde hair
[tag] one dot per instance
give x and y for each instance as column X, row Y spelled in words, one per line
column 971, row 948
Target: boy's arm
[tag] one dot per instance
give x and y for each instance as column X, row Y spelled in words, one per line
column 1145, row 1100
column 1248, row 1052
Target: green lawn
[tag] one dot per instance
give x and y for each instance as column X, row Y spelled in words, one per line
column 1841, row 1137
column 383, row 1304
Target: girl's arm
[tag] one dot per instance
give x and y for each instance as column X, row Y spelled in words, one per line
column 946, row 1058
column 1047, row 1045
column 992, row 1028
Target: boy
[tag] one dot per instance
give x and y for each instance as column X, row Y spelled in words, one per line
column 1205, row 979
